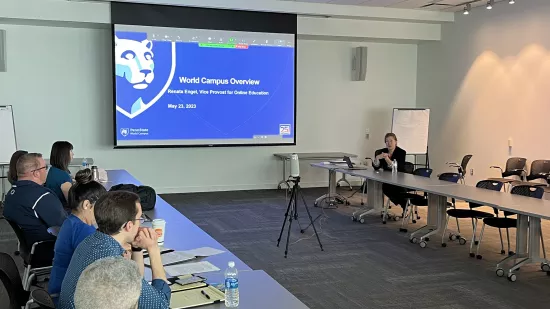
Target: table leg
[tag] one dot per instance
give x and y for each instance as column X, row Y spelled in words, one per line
column 284, row 181
column 332, row 195
column 437, row 215
column 375, row 200
column 343, row 179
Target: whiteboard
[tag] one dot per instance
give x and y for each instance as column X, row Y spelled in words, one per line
column 8, row 144
column 411, row 127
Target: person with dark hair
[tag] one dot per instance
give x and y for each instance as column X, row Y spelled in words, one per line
column 118, row 217
column 29, row 204
column 12, row 172
column 79, row 224
column 59, row 178
column 384, row 160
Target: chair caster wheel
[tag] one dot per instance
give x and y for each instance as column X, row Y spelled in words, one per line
column 353, row 218
column 500, row 272
column 511, row 253
column 512, row 277
column 502, row 252
column 479, row 257
column 403, row 230
column 427, row 238
column 16, row 253
column 362, row 220
column 545, row 267
column 452, row 237
column 362, row 203
column 394, row 218
column 443, row 245
column 462, row 241
column 302, row 231
column 414, row 240
column 413, row 221
column 382, row 216
column 476, row 242
column 423, row 244
column 472, row 255
column 315, row 204
column 383, row 222
column 348, row 203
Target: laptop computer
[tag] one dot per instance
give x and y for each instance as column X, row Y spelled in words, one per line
column 351, row 166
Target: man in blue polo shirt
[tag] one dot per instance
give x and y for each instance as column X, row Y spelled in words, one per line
column 118, row 217
column 29, row 204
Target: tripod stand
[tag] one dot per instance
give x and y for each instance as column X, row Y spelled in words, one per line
column 292, row 214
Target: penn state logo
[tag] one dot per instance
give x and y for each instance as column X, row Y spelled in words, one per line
column 124, row 132
column 135, row 65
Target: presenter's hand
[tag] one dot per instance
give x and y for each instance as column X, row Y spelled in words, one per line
column 146, row 238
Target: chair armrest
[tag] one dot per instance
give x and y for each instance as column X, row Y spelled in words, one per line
column 500, row 168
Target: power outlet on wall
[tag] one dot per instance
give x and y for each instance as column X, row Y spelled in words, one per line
column 471, row 172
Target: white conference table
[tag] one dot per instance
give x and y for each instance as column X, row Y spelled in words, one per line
column 530, row 211
column 312, row 156
column 183, row 234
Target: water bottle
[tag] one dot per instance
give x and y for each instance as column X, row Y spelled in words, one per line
column 394, row 167
column 95, row 173
column 84, row 163
column 231, row 286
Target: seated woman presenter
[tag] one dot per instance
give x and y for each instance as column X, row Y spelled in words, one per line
column 78, row 225
column 59, row 179
column 384, row 160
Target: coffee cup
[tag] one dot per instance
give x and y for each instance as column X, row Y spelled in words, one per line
column 159, row 225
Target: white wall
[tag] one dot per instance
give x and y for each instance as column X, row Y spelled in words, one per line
column 59, row 82
column 488, row 80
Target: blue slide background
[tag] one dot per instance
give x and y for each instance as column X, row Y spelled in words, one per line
column 215, row 116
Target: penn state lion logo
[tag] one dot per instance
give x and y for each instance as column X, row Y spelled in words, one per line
column 135, row 67
column 134, row 62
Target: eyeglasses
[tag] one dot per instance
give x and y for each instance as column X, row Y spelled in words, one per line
column 46, row 167
column 140, row 219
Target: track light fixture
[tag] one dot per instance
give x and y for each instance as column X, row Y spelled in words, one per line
column 467, row 9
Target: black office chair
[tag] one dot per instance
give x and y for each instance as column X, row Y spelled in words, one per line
column 508, row 223
column 42, row 299
column 10, row 278
column 473, row 214
column 410, row 212
column 514, row 167
column 422, row 200
column 462, row 168
column 37, row 259
column 540, row 169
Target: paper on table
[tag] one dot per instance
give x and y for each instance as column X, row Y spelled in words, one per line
column 172, row 258
column 204, row 251
column 190, row 268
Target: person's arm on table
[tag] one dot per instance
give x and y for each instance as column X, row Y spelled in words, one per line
column 156, row 295
column 137, row 256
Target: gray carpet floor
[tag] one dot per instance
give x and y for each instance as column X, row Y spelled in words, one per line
column 367, row 265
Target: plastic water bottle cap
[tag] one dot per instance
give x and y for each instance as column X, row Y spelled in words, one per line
column 231, row 264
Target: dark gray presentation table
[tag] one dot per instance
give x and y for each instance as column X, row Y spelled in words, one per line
column 529, row 211
column 256, row 288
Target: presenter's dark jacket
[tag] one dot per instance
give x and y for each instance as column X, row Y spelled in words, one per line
column 398, row 154
column 35, row 209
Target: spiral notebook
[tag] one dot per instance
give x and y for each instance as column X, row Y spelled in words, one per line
column 196, row 297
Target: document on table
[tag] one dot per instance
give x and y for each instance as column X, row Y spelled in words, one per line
column 172, row 258
column 204, row 251
column 190, row 268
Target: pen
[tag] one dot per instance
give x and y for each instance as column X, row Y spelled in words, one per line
column 204, row 293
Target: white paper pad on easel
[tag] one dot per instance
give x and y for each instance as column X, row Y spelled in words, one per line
column 202, row 252
column 190, row 268
column 172, row 258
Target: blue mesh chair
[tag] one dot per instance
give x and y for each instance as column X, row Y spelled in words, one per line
column 508, row 223
column 472, row 214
